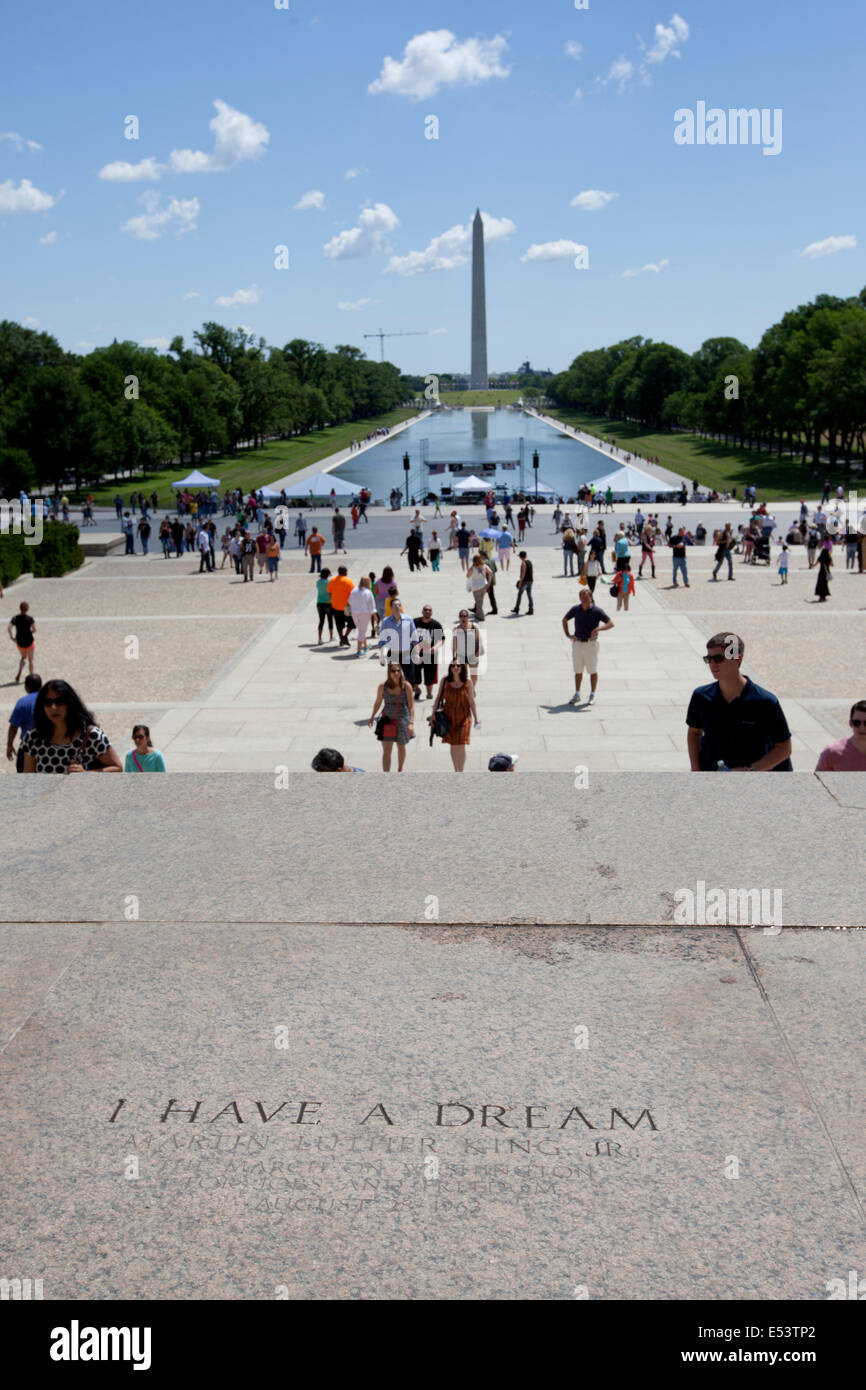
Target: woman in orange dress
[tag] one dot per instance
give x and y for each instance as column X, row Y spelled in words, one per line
column 457, row 697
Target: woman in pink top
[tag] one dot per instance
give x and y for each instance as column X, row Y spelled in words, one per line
column 383, row 584
column 847, row 754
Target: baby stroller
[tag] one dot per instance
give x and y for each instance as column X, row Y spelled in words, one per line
column 761, row 551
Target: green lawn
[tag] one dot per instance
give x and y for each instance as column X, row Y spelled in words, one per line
column 714, row 465
column 479, row 397
column 255, row 467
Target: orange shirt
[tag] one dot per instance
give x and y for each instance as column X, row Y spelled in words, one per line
column 340, row 588
column 315, row 543
column 273, row 548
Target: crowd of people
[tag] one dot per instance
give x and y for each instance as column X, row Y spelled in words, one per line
column 368, row 438
column 425, row 656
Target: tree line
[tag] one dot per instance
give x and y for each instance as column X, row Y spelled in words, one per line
column 802, row 389
column 129, row 408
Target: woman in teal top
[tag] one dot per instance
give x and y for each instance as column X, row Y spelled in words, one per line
column 144, row 757
column 323, row 606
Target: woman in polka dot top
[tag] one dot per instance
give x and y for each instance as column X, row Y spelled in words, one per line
column 65, row 736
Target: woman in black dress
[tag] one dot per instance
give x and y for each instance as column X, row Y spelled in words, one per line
column 825, row 564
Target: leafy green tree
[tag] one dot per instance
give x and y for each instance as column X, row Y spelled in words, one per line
column 16, row 472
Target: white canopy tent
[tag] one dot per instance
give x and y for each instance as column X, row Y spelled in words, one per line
column 627, row 482
column 197, row 479
column 473, row 484
column 320, row 485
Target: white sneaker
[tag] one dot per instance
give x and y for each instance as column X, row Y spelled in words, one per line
column 591, row 697
column 575, row 699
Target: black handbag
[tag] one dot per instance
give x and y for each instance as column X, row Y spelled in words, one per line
column 441, row 723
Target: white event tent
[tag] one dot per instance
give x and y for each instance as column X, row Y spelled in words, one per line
column 473, row 484
column 197, row 479
column 627, row 482
column 320, row 485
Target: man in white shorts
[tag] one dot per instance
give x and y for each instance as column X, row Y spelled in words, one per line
column 589, row 621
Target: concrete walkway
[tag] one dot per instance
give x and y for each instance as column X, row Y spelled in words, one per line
column 284, row 697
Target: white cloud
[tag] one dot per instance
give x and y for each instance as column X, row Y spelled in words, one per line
column 48, row 239
column 236, row 137
column 655, row 266
column 20, row 141
column 192, row 294
column 314, row 199
column 123, row 172
column 828, row 247
column 352, row 304
column 250, row 296
column 621, row 72
column 30, row 322
column 85, row 346
column 435, row 332
column 572, row 49
column 161, row 343
column 667, row 37
column 368, row 238
column 578, row 94
column 553, row 251
column 592, row 200
column 352, row 173
column 24, row 198
column 450, row 249
column 436, row 59
column 155, row 221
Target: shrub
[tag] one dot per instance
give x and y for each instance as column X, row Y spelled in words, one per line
column 57, row 553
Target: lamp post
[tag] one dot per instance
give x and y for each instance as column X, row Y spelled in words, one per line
column 535, row 466
column 406, row 471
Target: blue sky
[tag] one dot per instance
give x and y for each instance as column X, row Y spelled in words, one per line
column 536, row 105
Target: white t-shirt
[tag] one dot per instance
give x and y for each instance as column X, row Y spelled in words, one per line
column 361, row 601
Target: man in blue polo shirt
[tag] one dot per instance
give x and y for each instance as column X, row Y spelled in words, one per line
column 21, row 720
column 735, row 725
column 589, row 621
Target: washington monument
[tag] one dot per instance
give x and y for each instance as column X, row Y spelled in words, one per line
column 478, row 379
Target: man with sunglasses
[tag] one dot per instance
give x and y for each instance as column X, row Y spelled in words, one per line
column 847, row 754
column 735, row 725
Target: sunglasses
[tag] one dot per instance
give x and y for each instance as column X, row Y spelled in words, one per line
column 858, row 723
column 61, row 704
column 711, row 659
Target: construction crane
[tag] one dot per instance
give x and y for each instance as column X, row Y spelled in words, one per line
column 419, row 333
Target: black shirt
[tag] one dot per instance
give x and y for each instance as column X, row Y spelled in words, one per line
column 527, row 573
column 740, row 731
column 433, row 636
column 23, row 625
column 678, row 546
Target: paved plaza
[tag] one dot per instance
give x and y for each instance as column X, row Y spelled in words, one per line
column 229, row 677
